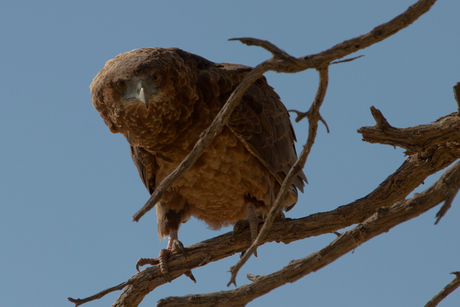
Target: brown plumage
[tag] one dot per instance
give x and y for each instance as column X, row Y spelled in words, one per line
column 162, row 99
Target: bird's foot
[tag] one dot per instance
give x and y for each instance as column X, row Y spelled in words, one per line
column 253, row 225
column 177, row 247
column 145, row 261
column 161, row 261
column 252, row 221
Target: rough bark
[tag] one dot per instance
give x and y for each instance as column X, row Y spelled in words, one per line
column 283, row 62
column 430, row 148
column 417, row 139
column 393, row 190
column 381, row 221
column 454, row 284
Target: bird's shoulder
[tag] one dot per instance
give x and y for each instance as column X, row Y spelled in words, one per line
column 260, row 121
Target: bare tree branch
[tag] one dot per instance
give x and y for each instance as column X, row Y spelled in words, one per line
column 283, row 62
column 99, row 295
column 421, row 138
column 423, row 161
column 393, row 189
column 274, row 50
column 454, row 284
column 378, row 34
column 382, row 221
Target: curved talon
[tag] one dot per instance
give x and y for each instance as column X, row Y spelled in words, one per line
column 174, row 245
column 144, row 261
column 280, row 217
column 239, row 226
column 167, row 277
column 190, row 275
column 178, row 247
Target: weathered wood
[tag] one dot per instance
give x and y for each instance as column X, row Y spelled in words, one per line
column 416, row 139
column 431, row 148
column 381, row 221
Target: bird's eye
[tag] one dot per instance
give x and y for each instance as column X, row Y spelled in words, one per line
column 156, row 78
column 121, row 85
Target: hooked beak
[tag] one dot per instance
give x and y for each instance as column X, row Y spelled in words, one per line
column 139, row 91
column 142, row 93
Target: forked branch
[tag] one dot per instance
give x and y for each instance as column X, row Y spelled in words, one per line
column 381, row 221
column 313, row 118
column 394, row 189
column 416, row 139
column 282, row 62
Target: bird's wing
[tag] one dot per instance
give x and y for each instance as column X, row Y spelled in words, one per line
column 262, row 123
column 146, row 165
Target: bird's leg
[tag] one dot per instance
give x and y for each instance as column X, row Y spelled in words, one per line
column 174, row 245
column 254, row 221
column 251, row 220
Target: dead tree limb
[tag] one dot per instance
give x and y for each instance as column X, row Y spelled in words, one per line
column 393, row 189
column 417, row 139
column 454, row 284
column 381, row 221
column 283, row 62
column 313, row 118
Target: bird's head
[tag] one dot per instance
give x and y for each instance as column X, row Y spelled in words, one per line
column 144, row 92
column 140, row 89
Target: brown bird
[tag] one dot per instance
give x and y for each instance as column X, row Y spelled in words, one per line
column 161, row 100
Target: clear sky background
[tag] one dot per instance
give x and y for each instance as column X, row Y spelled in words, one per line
column 68, row 187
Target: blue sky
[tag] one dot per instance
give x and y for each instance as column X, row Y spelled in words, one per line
column 68, row 188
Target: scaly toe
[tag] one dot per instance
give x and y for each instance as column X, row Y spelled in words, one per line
column 145, row 261
column 164, row 253
column 239, row 226
column 178, row 247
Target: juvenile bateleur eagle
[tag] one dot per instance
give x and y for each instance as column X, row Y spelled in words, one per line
column 161, row 100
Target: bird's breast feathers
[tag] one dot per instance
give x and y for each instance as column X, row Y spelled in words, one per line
column 216, row 186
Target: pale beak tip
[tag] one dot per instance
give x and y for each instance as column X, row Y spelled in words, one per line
column 143, row 97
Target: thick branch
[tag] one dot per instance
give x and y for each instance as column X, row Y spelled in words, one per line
column 417, row 139
column 393, row 189
column 454, row 284
column 382, row 221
